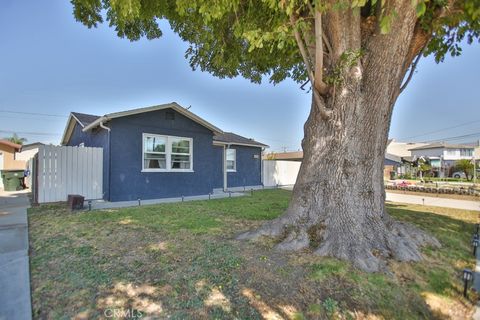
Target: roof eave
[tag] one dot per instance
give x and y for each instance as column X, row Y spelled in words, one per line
column 67, row 132
column 78, row 120
column 260, row 145
column 172, row 105
column 95, row 123
column 10, row 144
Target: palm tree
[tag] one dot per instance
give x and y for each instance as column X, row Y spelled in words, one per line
column 16, row 139
column 466, row 166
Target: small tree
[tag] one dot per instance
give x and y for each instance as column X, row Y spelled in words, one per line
column 466, row 166
column 16, row 139
column 424, row 168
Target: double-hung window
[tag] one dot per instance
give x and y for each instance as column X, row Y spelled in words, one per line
column 167, row 153
column 181, row 153
column 231, row 160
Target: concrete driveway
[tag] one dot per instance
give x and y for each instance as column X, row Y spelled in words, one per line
column 14, row 267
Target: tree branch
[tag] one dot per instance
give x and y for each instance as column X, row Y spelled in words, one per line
column 324, row 37
column 412, row 69
column 316, row 95
column 327, row 43
column 318, row 51
column 303, row 50
column 304, row 84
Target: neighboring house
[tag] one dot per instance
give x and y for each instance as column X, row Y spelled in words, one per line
column 402, row 149
column 391, row 166
column 8, row 156
column 165, row 151
column 442, row 156
column 398, row 158
column 28, row 151
column 391, row 162
column 8, row 160
column 287, row 156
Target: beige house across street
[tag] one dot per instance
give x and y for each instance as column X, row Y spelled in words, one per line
column 8, row 161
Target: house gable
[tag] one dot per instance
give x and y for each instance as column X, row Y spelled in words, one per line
column 128, row 180
column 175, row 106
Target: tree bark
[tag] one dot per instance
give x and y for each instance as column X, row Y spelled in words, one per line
column 338, row 202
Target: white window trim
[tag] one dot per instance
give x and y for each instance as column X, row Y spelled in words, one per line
column 234, row 162
column 168, row 153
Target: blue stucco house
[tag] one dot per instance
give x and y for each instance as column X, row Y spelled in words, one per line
column 165, row 151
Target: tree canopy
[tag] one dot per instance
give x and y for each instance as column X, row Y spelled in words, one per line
column 256, row 39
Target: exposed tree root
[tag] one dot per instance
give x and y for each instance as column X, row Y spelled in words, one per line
column 366, row 248
column 295, row 240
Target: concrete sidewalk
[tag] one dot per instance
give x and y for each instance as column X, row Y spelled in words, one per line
column 428, row 201
column 14, row 265
column 433, row 201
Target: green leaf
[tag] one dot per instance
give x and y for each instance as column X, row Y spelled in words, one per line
column 421, row 8
column 254, row 39
column 385, row 24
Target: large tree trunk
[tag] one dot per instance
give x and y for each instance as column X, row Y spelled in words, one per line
column 338, row 202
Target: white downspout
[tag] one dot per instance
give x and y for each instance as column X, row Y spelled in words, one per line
column 109, row 158
column 104, row 126
column 261, row 166
column 225, row 169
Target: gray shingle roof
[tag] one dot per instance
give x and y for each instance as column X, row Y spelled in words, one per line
column 226, row 137
column 230, row 137
column 443, row 145
column 85, row 119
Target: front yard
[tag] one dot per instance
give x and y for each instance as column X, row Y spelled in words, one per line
column 179, row 261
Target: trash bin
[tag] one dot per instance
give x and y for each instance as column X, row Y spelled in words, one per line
column 12, row 179
column 393, row 174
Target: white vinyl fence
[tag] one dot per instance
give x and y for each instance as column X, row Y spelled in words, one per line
column 280, row 173
column 60, row 171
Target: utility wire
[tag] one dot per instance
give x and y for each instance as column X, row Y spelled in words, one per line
column 26, row 117
column 31, row 133
column 441, row 130
column 34, row 113
column 456, row 137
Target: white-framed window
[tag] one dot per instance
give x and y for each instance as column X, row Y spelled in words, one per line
column 167, row 153
column 450, row 152
column 466, row 152
column 231, row 159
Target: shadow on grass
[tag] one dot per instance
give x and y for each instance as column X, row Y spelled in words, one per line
column 178, row 261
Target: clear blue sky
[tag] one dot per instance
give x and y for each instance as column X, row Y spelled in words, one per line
column 49, row 63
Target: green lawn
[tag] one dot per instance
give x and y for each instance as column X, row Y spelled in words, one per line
column 180, row 261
